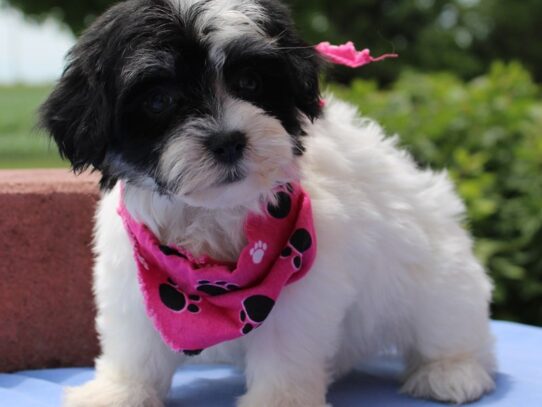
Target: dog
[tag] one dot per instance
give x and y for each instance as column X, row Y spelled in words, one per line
column 194, row 112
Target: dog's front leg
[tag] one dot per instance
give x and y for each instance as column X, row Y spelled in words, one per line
column 287, row 357
column 135, row 367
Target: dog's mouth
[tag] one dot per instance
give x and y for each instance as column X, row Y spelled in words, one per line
column 233, row 176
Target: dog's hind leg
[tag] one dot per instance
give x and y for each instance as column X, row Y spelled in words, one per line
column 451, row 358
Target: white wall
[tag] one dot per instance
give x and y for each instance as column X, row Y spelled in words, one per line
column 31, row 52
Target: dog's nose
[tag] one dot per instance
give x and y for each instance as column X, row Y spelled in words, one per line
column 227, row 148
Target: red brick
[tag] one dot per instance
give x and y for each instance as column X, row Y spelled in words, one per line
column 46, row 308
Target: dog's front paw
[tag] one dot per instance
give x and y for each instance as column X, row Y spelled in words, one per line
column 101, row 393
column 452, row 381
column 285, row 398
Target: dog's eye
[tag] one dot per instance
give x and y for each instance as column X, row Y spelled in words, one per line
column 249, row 82
column 158, row 103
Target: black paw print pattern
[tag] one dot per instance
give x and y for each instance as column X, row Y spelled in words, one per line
column 176, row 300
column 255, row 311
column 284, row 204
column 170, row 251
column 299, row 242
column 216, row 288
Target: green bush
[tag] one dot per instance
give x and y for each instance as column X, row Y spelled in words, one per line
column 487, row 133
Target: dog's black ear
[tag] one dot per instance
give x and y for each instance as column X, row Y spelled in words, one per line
column 305, row 70
column 77, row 114
column 303, row 60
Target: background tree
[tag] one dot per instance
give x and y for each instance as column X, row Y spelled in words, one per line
column 427, row 34
column 76, row 14
column 462, row 36
column 513, row 32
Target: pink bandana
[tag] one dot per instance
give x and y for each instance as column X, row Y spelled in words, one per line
column 196, row 303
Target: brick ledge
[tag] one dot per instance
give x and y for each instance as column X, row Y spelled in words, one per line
column 46, row 306
column 46, row 181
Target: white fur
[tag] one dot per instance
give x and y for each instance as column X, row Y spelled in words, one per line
column 394, row 271
column 218, row 22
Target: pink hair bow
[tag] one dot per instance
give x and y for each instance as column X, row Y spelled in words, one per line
column 347, row 54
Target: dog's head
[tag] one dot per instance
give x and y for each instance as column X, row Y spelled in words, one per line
column 205, row 100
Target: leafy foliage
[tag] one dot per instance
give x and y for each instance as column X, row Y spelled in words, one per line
column 513, row 30
column 487, row 133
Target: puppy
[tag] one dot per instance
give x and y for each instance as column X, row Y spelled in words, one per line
column 200, row 109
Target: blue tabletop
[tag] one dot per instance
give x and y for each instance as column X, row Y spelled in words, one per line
column 519, row 381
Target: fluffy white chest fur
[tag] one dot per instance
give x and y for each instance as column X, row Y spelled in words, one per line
column 394, row 272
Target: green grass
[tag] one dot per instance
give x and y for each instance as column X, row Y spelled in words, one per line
column 22, row 145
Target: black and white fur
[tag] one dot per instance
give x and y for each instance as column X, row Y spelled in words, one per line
column 202, row 108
